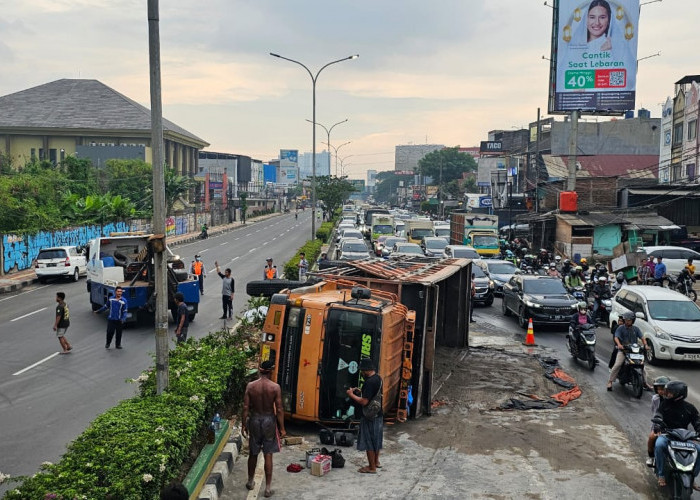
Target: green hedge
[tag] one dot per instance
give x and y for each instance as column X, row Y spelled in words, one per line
column 132, row 450
column 324, row 231
column 312, row 249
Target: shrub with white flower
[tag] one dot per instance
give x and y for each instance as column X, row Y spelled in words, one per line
column 147, row 478
column 4, row 477
column 194, row 398
column 160, row 428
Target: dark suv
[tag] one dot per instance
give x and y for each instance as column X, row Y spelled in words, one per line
column 542, row 298
column 484, row 287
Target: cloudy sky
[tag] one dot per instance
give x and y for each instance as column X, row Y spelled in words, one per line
column 443, row 72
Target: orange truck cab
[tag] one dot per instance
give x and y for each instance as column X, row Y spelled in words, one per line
column 317, row 336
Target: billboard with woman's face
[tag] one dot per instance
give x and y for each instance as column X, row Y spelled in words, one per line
column 594, row 56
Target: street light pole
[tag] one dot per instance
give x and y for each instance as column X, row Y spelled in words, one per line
column 335, row 149
column 313, row 151
column 328, row 132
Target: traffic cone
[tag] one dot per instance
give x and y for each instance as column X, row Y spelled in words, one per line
column 530, row 335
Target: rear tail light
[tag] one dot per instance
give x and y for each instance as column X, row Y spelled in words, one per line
column 36, row 266
column 67, row 264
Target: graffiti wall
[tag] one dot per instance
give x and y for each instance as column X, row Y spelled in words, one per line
column 18, row 252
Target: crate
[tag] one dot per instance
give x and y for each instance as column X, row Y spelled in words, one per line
column 320, row 465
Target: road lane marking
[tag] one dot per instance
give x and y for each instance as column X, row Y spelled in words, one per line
column 202, row 251
column 249, row 234
column 28, row 314
column 234, row 258
column 28, row 291
column 252, row 250
column 35, row 364
column 224, row 243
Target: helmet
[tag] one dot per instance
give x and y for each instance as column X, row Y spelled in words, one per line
column 543, row 250
column 557, row 258
column 676, row 390
column 509, row 253
column 567, row 261
column 553, row 265
column 602, row 278
column 661, row 381
column 582, row 305
column 628, row 315
column 579, row 268
column 620, row 277
column 583, row 261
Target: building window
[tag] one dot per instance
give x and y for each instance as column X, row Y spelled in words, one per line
column 690, row 170
column 33, row 154
column 41, row 154
column 692, row 129
column 63, row 154
column 52, row 156
column 678, row 134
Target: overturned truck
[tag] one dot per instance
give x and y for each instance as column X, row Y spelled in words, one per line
column 392, row 312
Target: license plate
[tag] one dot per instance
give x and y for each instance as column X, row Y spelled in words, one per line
column 692, row 357
column 265, row 352
column 682, row 445
column 50, row 265
column 637, row 357
column 557, row 318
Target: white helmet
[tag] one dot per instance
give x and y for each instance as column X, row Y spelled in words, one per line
column 602, row 278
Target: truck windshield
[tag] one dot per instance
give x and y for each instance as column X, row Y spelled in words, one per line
column 485, row 241
column 442, row 231
column 350, row 336
column 417, row 234
column 383, row 229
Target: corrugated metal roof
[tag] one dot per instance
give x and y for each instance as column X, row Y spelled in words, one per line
column 664, row 192
column 593, row 219
column 414, row 270
column 649, row 221
column 632, row 166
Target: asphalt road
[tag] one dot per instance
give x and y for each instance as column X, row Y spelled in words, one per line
column 633, row 415
column 47, row 399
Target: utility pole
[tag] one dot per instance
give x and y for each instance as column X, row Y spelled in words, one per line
column 537, row 165
column 160, row 268
column 573, row 146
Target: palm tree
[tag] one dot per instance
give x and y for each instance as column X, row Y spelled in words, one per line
column 175, row 187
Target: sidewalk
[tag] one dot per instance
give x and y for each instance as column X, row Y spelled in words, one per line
column 17, row 280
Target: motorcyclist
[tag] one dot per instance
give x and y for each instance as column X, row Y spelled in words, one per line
column 566, row 268
column 676, row 413
column 600, row 293
column 620, row 281
column 205, row 232
column 543, row 258
column 625, row 335
column 659, row 391
column 552, row 271
column 690, row 268
column 573, row 280
column 511, row 258
column 584, row 264
column 581, row 316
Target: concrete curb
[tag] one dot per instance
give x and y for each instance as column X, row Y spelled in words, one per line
column 223, row 467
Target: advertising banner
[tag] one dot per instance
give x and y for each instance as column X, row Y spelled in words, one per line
column 289, row 158
column 594, row 56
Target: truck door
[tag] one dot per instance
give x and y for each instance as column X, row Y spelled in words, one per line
column 350, row 336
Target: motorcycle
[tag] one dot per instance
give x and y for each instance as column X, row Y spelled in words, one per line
column 581, row 343
column 579, row 293
column 632, row 371
column 684, row 284
column 203, row 235
column 679, row 459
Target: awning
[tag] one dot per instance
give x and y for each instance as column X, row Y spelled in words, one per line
column 649, row 221
column 593, row 219
column 665, row 192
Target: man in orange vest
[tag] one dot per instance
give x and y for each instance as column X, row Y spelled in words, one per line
column 198, row 270
column 270, row 271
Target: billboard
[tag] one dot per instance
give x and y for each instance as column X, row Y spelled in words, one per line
column 288, row 175
column 594, row 56
column 289, row 158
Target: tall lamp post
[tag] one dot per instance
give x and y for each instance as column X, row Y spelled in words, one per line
column 335, row 149
column 328, row 133
column 313, row 151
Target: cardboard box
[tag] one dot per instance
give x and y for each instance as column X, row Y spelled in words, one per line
column 320, row 465
column 290, row 440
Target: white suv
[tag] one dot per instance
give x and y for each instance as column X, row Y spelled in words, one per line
column 67, row 261
column 669, row 321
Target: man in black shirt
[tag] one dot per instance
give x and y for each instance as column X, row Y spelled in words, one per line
column 370, row 438
column 183, row 318
column 676, row 414
column 62, row 322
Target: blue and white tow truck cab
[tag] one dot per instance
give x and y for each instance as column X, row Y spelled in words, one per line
column 126, row 260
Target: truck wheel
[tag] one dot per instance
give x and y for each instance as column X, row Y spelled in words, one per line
column 173, row 312
column 267, row 288
column 95, row 307
column 191, row 317
column 489, row 302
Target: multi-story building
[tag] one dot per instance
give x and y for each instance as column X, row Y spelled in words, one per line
column 87, row 119
column 685, row 145
column 323, row 164
column 406, row 157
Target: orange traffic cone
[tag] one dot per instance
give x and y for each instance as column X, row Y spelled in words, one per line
column 530, row 335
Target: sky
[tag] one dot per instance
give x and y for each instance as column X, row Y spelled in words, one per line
column 444, row 72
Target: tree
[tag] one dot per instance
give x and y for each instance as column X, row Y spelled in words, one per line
column 176, row 186
column 387, row 184
column 451, row 161
column 127, row 178
column 333, row 191
column 81, row 174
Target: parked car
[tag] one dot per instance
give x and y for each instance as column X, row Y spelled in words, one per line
column 501, row 271
column 433, row 246
column 484, row 287
column 389, row 244
column 460, row 252
column 353, row 249
column 675, row 258
column 540, row 298
column 407, row 250
column 669, row 321
column 66, row 261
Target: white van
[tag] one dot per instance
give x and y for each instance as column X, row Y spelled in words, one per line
column 669, row 321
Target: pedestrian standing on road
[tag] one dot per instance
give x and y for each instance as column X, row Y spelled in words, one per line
column 116, row 318
column 197, row 268
column 270, row 271
column 660, row 271
column 371, row 435
column 62, row 322
column 472, row 299
column 262, row 422
column 182, row 321
column 303, row 266
column 228, row 287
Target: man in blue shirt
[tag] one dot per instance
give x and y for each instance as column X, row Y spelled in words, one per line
column 116, row 317
column 660, row 271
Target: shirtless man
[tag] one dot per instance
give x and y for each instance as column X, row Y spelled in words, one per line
column 263, row 417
